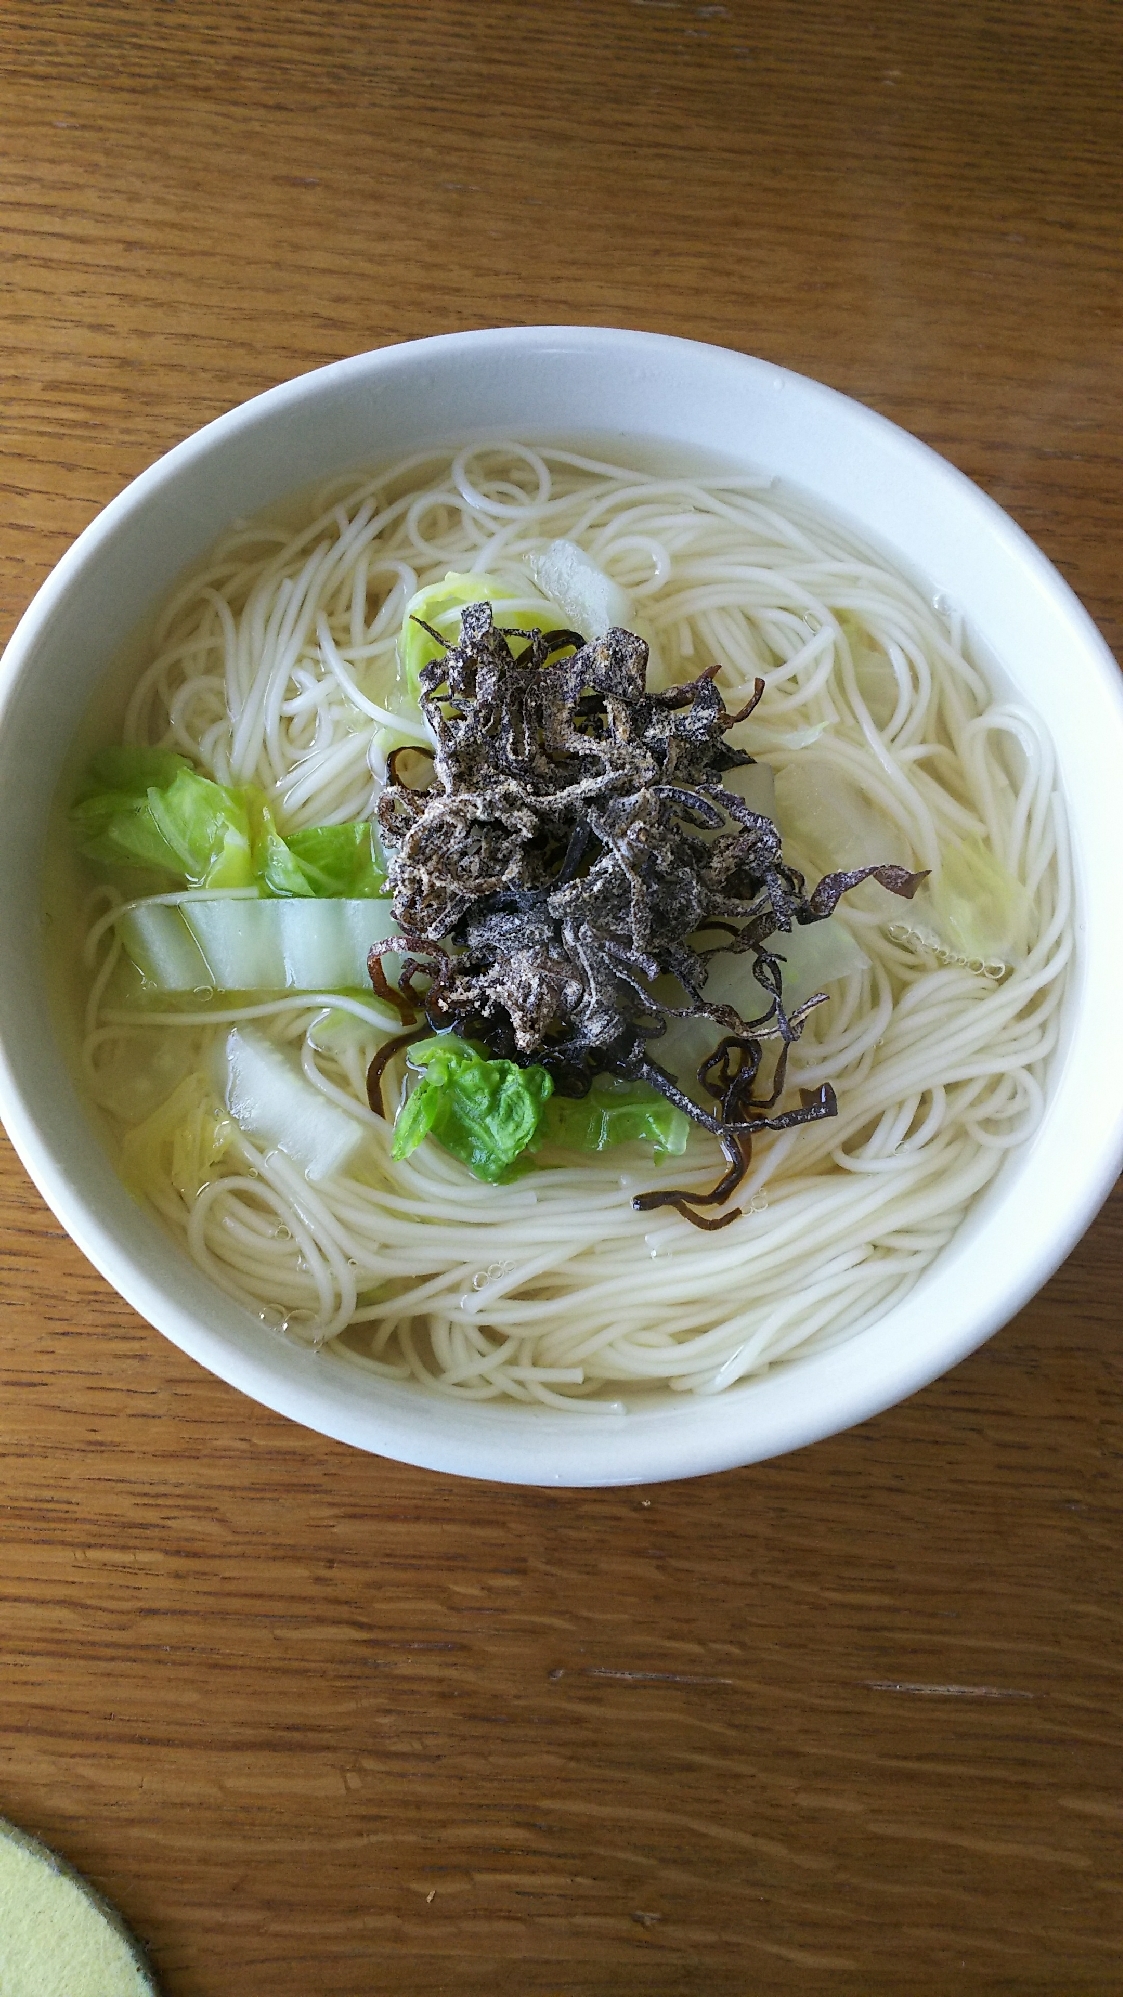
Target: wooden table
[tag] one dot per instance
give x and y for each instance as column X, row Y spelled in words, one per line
column 849, row 1721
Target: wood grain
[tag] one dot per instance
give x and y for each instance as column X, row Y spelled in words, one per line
column 321, row 1725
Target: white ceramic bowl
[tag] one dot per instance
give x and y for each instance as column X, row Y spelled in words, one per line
column 625, row 386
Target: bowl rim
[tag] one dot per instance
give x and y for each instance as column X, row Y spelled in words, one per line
column 841, row 1391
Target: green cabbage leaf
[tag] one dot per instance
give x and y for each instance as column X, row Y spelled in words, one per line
column 111, row 818
column 183, row 1140
column 484, row 1112
column 336, row 862
column 487, row 1113
column 440, row 604
column 979, row 908
column 207, row 828
column 148, row 809
column 616, row 1113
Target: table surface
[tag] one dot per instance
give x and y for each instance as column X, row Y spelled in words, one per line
column 320, row 1724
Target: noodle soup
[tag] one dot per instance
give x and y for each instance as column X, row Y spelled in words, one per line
column 281, row 667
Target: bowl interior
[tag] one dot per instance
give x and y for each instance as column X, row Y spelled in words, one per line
column 627, row 390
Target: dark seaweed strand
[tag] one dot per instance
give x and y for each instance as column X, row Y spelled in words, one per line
column 577, row 834
column 385, row 990
column 382, row 1061
column 403, row 749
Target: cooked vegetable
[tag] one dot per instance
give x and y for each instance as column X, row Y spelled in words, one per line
column 183, row 1140
column 432, row 616
column 144, row 808
column 585, row 595
column 814, row 957
column 163, row 946
column 439, row 606
column 978, row 908
column 485, row 1112
column 233, row 944
column 149, row 809
column 616, row 1112
column 338, row 861
column 207, row 827
column 270, row 1099
column 111, row 817
column 824, row 812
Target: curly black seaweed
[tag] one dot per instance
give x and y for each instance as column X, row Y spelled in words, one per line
column 576, row 839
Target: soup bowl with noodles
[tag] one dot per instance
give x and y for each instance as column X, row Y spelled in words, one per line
column 757, row 1060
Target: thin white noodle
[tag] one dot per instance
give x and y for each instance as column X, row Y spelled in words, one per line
column 276, row 663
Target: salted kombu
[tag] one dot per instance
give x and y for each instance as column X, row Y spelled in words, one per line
column 574, row 866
